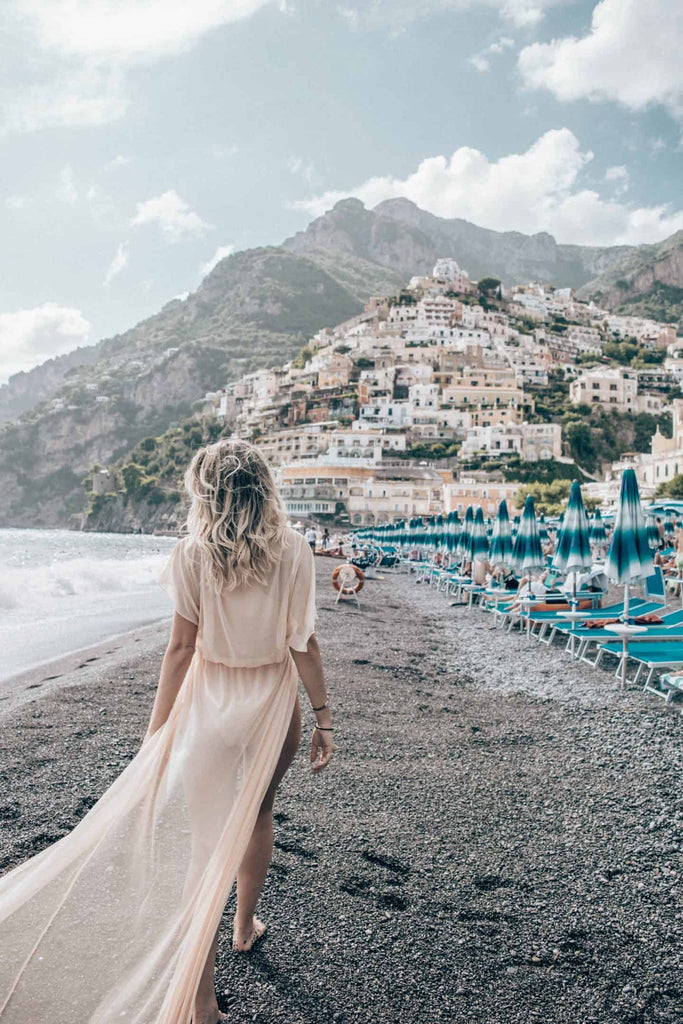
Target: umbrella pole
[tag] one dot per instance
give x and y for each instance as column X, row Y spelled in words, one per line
column 624, row 657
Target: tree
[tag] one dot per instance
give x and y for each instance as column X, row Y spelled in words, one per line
column 581, row 443
column 488, row 285
column 671, row 489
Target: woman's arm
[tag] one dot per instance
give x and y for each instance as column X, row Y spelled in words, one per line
column 310, row 668
column 173, row 670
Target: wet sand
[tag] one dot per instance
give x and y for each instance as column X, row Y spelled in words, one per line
column 497, row 841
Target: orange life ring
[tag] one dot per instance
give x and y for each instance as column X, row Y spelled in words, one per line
column 345, row 587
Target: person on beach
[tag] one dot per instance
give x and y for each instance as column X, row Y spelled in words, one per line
column 311, row 537
column 118, row 921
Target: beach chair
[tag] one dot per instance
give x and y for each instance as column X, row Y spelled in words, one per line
column 670, row 686
column 588, row 637
column 553, row 621
column 652, row 653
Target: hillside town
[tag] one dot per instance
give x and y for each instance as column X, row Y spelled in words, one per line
column 426, row 402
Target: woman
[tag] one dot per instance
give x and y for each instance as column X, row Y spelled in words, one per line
column 118, row 921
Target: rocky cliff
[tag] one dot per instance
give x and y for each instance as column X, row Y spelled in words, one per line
column 400, row 236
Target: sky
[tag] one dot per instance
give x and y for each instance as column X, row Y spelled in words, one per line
column 142, row 140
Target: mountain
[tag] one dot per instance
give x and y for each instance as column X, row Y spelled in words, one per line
column 400, row 236
column 645, row 280
column 258, row 308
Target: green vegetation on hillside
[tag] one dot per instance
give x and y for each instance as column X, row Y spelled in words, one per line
column 551, row 499
column 152, row 471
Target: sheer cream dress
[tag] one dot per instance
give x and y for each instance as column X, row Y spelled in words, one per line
column 113, row 922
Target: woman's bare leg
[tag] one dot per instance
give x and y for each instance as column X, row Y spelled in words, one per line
column 254, row 867
column 250, row 879
column 205, row 1004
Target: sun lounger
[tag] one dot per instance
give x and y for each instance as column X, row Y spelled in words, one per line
column 587, row 637
column 654, row 655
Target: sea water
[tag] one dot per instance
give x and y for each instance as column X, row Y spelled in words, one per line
column 62, row 590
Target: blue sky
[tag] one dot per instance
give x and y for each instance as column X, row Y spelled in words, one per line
column 141, row 138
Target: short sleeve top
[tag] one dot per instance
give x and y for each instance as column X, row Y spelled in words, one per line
column 248, row 626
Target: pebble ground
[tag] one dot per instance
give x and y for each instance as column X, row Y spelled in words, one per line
column 497, row 841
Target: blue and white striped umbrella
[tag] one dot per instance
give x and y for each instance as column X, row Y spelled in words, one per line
column 501, row 541
column 573, row 545
column 598, row 534
column 527, row 554
column 542, row 528
column 629, row 558
column 464, row 538
column 478, row 547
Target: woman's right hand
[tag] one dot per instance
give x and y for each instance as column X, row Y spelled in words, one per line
column 322, row 748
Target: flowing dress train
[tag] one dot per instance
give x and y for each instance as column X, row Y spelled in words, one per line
column 113, row 923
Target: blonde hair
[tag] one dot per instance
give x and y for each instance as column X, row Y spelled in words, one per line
column 237, row 518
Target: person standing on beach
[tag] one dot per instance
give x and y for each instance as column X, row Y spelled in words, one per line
column 311, row 537
column 119, row 919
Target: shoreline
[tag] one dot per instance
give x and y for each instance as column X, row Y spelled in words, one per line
column 48, row 677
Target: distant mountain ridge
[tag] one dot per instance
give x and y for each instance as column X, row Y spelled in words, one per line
column 258, row 308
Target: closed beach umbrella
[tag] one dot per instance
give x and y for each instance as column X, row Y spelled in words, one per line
column 501, row 541
column 527, row 555
column 453, row 530
column 479, row 542
column 669, row 526
column 598, row 534
column 464, row 538
column 573, row 545
column 629, row 559
column 542, row 528
column 652, row 533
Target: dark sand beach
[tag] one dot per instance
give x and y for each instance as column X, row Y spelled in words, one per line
column 498, row 840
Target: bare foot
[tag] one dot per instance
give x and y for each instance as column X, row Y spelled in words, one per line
column 213, row 1016
column 243, row 942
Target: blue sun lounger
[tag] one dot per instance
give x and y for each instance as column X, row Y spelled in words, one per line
column 654, row 654
column 587, row 637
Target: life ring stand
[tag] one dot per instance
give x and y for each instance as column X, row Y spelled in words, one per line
column 352, row 579
column 348, row 580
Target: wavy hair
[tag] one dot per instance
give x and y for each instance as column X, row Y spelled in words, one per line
column 236, row 518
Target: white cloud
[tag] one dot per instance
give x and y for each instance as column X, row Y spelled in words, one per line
column 537, row 190
column 631, row 55
column 30, row 336
column 117, row 161
column 399, row 14
column 619, row 178
column 482, row 60
column 127, row 30
column 300, row 168
column 118, row 264
column 73, row 97
column 83, row 49
column 221, row 252
column 67, row 191
column 172, row 214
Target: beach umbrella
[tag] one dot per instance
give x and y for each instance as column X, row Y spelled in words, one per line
column 527, row 555
column 464, row 538
column 452, row 530
column 478, row 547
column 669, row 526
column 652, row 532
column 501, row 541
column 573, row 545
column 598, row 534
column 629, row 559
column 542, row 529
